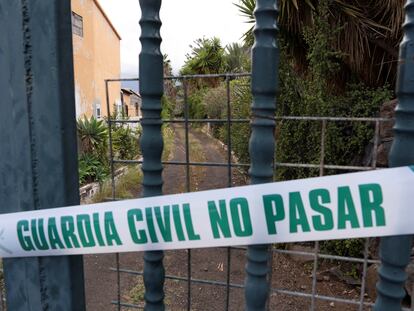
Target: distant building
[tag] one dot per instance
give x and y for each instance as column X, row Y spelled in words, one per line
column 131, row 103
column 96, row 55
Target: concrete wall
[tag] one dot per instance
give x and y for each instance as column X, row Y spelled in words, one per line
column 96, row 58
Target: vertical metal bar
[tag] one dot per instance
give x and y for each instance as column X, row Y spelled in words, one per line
column 151, row 89
column 188, row 182
column 118, row 282
column 364, row 276
column 376, row 141
column 111, row 150
column 271, row 261
column 316, row 248
column 229, row 173
column 38, row 151
column 229, row 184
column 187, row 139
column 322, row 158
column 265, row 58
column 314, row 279
column 395, row 251
column 113, row 186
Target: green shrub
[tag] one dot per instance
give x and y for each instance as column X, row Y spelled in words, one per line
column 314, row 95
column 125, row 142
column 167, row 108
column 196, row 107
column 91, row 169
column 348, row 248
column 241, row 99
column 215, row 102
column 93, row 150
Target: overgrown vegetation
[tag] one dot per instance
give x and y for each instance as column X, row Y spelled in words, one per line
column 368, row 34
column 319, row 76
column 93, row 147
column 136, row 293
column 315, row 94
column 127, row 186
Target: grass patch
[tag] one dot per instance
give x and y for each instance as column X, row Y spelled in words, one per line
column 168, row 136
column 126, row 187
column 196, row 155
column 136, row 294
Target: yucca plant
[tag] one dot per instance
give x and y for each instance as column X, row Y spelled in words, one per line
column 93, row 135
column 206, row 57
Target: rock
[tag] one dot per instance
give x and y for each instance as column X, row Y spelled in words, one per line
column 410, row 280
column 387, row 111
column 383, row 151
column 373, row 248
column 371, row 281
column 336, row 271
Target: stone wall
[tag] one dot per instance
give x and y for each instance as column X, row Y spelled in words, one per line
column 386, row 133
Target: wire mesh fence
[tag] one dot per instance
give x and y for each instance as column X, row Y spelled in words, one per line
column 200, row 157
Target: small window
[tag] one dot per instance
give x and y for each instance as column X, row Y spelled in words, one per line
column 98, row 111
column 77, row 24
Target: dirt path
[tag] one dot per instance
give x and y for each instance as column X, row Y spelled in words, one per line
column 207, row 264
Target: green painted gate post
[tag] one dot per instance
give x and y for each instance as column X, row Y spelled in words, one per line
column 395, row 251
column 38, row 153
column 151, row 89
column 265, row 60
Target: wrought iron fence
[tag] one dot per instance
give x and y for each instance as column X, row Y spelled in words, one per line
column 306, row 292
column 33, row 60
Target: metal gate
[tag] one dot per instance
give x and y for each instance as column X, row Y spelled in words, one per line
column 37, row 34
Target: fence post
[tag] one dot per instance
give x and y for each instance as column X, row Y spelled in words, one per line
column 395, row 251
column 265, row 58
column 38, row 153
column 151, row 89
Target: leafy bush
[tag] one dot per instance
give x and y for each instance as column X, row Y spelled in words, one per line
column 241, row 99
column 125, row 142
column 313, row 95
column 91, row 169
column 167, row 108
column 215, row 102
column 196, row 107
column 349, row 247
column 93, row 150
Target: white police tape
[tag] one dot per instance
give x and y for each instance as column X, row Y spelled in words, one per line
column 375, row 203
